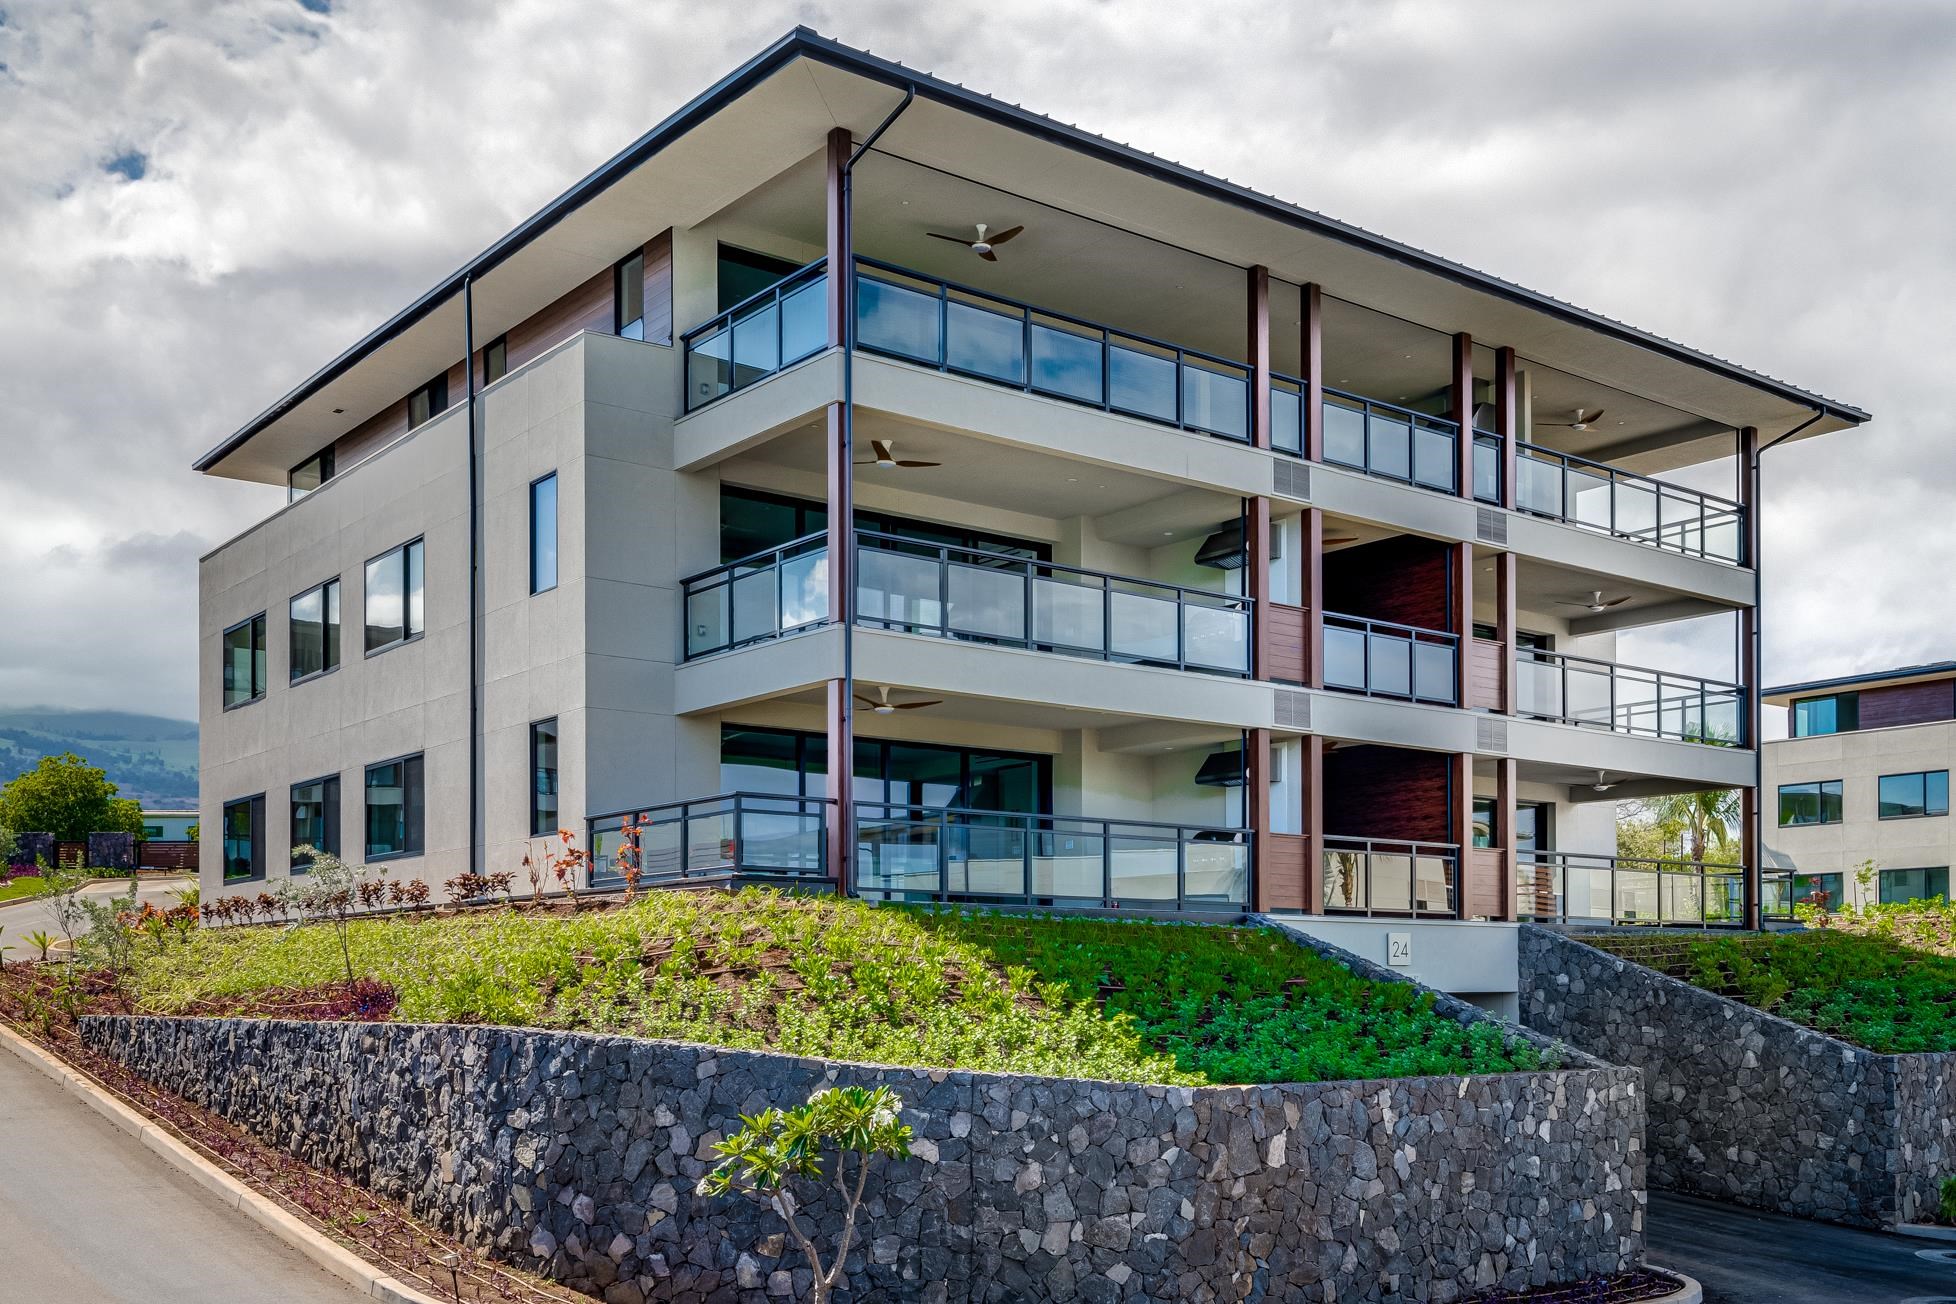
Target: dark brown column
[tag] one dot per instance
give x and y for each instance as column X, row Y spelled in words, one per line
column 1259, row 338
column 1310, row 786
column 1462, row 617
column 1461, row 823
column 1256, row 581
column 1257, row 810
column 1311, row 569
column 840, row 144
column 1504, row 834
column 1463, row 411
column 842, row 711
column 1507, row 420
column 1751, row 831
column 1504, row 626
column 1311, row 371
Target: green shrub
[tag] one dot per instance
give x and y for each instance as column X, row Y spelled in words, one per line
column 1948, row 1199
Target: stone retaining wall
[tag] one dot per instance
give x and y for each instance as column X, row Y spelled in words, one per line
column 578, row 1154
column 1745, row 1106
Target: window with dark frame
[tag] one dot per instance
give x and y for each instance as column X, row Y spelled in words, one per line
column 543, row 777
column 431, row 400
column 628, row 296
column 1832, row 714
column 394, row 605
column 495, row 360
column 244, row 662
column 543, row 533
column 315, row 631
column 396, row 808
column 309, row 474
column 244, row 839
column 1913, row 796
column 315, row 819
column 1901, row 885
column 1810, row 803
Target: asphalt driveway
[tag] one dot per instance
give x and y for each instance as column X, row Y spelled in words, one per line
column 1743, row 1257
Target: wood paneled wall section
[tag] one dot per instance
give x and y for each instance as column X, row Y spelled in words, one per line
column 1288, row 629
column 1403, row 579
column 1386, row 792
column 1487, row 675
column 1884, row 708
column 1480, row 886
column 1280, row 872
column 370, row 436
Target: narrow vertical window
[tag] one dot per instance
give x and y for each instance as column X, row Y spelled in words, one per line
column 315, row 819
column 628, row 315
column 315, row 641
column 543, row 533
column 431, row 400
column 244, row 838
column 244, row 662
column 543, row 777
column 396, row 808
column 395, row 611
column 309, row 475
column 495, row 360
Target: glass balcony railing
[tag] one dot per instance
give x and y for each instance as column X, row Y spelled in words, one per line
column 1625, row 505
column 1381, row 659
column 1391, row 442
column 909, row 853
column 740, row 834
column 958, row 329
column 1487, row 466
column 758, row 336
column 1372, row 876
column 1628, row 699
column 1555, row 887
column 760, row 597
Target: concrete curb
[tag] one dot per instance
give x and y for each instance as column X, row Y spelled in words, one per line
column 1689, row 1293
column 229, row 1191
column 1925, row 1231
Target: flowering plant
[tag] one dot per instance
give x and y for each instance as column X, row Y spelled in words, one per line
column 778, row 1145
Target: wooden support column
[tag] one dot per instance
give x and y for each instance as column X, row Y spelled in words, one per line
column 1310, row 369
column 1259, row 341
column 1310, row 787
column 1504, row 627
column 1257, row 811
column 1256, row 581
column 1461, row 617
column 1463, row 412
column 1504, row 834
column 1460, row 794
column 1751, row 830
column 838, row 155
column 1507, row 420
column 1310, row 529
column 841, row 708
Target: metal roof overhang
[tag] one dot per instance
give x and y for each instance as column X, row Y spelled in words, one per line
column 777, row 109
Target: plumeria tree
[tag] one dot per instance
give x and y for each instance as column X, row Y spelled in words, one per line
column 780, row 1146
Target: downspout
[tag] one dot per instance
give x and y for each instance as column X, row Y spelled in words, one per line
column 475, row 567
column 845, row 813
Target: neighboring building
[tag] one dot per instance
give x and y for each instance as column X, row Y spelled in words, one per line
column 168, row 825
column 1863, row 776
column 1207, row 554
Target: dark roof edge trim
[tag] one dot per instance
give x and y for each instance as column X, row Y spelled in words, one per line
column 802, row 41
column 1928, row 670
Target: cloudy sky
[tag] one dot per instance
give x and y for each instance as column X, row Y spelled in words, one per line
column 202, row 202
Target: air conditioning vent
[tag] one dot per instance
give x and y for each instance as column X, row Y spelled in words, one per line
column 1490, row 734
column 1491, row 525
column 1293, row 710
column 1291, row 479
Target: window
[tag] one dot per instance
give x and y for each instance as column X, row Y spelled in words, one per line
column 543, row 533
column 543, row 777
column 315, row 631
column 396, row 808
column 309, row 475
column 1914, row 884
column 744, row 274
column 1806, row 886
column 1909, row 796
column 244, row 838
column 1810, row 803
column 1839, row 713
column 495, row 360
column 628, row 297
column 315, row 818
column 785, row 763
column 752, row 521
column 428, row 401
column 244, row 662
column 394, row 610
column 1531, row 824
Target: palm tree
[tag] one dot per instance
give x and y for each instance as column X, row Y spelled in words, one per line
column 1701, row 821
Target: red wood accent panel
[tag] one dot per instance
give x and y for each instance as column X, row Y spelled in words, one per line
column 1387, row 792
column 1310, row 368
column 1288, row 629
column 370, row 436
column 167, row 855
column 1481, row 888
column 589, row 307
column 1487, row 674
column 1281, row 880
column 1403, row 579
column 1505, row 423
column 1462, row 403
column 1256, row 580
column 1259, row 337
column 658, row 288
column 1884, row 708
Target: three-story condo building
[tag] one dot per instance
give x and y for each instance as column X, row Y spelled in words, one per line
column 863, row 483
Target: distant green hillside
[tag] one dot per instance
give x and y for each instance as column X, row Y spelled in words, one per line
column 149, row 757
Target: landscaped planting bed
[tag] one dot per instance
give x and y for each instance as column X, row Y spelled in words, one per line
column 836, row 979
column 1860, row 987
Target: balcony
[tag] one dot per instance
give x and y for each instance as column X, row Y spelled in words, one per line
column 1377, row 658
column 1377, row 438
column 973, row 595
column 759, row 837
column 1553, row 887
column 758, row 336
column 1625, row 505
column 908, row 853
column 1369, row 876
column 1628, row 699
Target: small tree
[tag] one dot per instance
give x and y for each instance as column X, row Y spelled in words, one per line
column 329, row 893
column 776, row 1146
column 61, row 889
column 66, row 796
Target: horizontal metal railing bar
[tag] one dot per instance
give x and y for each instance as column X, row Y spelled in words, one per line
column 1620, row 668
column 1225, row 601
column 1616, row 473
column 740, row 796
column 727, row 316
column 1648, row 873
column 1644, row 864
column 1444, row 423
column 1417, row 631
column 1238, row 834
column 1390, row 845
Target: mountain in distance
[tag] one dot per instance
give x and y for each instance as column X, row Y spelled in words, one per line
column 148, row 757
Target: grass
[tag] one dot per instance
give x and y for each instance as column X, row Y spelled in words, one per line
column 1864, row 989
column 15, row 888
column 839, row 979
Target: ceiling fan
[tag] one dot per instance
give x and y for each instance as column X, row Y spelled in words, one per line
column 1581, row 422
column 885, row 456
column 1602, row 784
column 984, row 244
column 1594, row 602
column 882, row 704
column 1333, row 540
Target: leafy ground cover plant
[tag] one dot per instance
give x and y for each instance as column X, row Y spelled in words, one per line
column 1144, row 1002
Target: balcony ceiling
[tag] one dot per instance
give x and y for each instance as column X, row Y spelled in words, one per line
column 1540, row 585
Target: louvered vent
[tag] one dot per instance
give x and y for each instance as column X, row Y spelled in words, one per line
column 1291, row 479
column 1491, row 525
column 1490, row 734
column 1293, row 710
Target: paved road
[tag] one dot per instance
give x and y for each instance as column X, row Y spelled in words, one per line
column 21, row 917
column 89, row 1216
column 1743, row 1257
